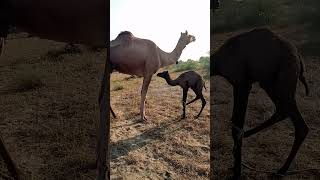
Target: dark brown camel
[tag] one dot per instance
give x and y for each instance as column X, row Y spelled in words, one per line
column 186, row 80
column 71, row 21
column 262, row 56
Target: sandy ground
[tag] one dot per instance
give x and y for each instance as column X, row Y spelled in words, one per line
column 48, row 104
column 266, row 150
column 166, row 147
column 49, row 116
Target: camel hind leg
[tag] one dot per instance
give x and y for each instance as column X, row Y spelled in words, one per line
column 199, row 95
column 301, row 131
column 278, row 116
column 203, row 104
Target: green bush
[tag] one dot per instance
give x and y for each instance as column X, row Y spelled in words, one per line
column 187, row 65
column 203, row 65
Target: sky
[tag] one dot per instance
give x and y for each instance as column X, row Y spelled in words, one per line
column 162, row 21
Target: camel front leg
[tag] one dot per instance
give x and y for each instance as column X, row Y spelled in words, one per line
column 238, row 117
column 144, row 90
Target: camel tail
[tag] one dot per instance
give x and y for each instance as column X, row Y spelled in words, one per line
column 302, row 77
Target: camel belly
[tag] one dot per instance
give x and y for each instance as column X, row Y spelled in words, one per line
column 131, row 69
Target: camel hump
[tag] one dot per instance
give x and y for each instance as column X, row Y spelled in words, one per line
column 124, row 38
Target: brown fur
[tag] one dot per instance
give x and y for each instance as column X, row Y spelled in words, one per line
column 186, row 80
column 262, row 56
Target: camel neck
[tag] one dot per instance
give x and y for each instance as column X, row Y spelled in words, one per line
column 176, row 53
column 172, row 57
column 170, row 81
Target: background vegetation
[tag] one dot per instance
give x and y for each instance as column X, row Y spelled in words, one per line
column 241, row 14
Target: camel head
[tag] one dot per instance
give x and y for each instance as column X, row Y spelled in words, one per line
column 186, row 38
column 164, row 74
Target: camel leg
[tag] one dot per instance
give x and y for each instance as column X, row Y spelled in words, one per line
column 202, row 106
column 238, row 117
column 276, row 117
column 102, row 150
column 112, row 112
column 301, row 131
column 9, row 162
column 184, row 100
column 196, row 98
column 144, row 90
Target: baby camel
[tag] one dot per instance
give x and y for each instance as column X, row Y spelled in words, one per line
column 186, row 80
column 262, row 56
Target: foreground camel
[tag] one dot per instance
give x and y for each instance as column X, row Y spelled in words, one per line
column 262, row 56
column 70, row 21
column 142, row 57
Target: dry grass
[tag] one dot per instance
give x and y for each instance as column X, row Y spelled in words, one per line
column 165, row 147
column 50, row 129
column 49, row 109
column 269, row 149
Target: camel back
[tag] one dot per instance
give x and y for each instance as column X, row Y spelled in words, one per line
column 124, row 38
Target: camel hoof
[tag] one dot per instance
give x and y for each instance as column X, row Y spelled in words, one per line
column 143, row 119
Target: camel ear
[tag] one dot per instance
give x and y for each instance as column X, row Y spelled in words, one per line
column 186, row 32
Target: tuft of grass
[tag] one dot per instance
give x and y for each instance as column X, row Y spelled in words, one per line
column 117, row 87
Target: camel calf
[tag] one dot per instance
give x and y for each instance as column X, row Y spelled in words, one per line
column 186, row 80
column 262, row 56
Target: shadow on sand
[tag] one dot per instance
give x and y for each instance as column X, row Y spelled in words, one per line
column 123, row 147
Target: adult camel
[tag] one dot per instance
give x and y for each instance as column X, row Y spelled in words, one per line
column 72, row 21
column 142, row 57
